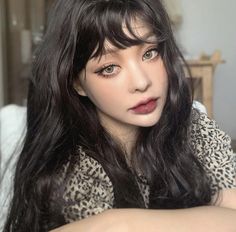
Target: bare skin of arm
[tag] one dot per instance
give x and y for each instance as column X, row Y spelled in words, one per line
column 218, row 218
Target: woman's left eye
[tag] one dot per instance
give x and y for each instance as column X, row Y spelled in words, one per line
column 150, row 54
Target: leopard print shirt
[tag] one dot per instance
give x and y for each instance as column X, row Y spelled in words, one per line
column 88, row 189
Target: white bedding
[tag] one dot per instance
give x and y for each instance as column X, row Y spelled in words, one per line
column 12, row 131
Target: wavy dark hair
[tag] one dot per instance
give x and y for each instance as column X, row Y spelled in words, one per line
column 59, row 120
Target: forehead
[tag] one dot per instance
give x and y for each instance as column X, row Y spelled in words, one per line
column 137, row 30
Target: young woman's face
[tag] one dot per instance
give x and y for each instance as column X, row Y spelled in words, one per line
column 127, row 86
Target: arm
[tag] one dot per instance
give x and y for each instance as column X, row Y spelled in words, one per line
column 204, row 219
column 220, row 218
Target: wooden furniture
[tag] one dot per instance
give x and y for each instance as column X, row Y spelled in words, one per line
column 202, row 72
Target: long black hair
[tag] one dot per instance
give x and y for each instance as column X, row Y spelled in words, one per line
column 59, row 120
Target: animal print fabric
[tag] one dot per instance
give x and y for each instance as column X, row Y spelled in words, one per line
column 213, row 149
column 88, row 190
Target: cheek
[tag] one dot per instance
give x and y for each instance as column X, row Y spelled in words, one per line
column 102, row 95
column 165, row 78
column 160, row 79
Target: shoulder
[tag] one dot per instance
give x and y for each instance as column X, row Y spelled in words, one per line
column 206, row 134
column 85, row 187
column 212, row 146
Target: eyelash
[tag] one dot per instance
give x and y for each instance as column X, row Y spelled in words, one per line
column 100, row 72
column 151, row 50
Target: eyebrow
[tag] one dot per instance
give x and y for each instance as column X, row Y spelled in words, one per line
column 147, row 38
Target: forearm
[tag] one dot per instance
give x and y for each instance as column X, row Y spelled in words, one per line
column 108, row 221
column 204, row 219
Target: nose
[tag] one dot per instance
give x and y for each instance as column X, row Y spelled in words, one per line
column 139, row 78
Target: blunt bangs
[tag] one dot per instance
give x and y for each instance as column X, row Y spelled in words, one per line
column 105, row 20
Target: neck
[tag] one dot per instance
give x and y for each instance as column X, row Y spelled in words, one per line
column 126, row 136
column 128, row 141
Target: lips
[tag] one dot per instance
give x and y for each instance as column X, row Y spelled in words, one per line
column 145, row 107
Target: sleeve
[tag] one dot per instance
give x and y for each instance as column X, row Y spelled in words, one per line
column 213, row 148
column 86, row 191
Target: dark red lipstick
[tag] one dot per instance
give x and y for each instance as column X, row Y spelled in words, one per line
column 145, row 107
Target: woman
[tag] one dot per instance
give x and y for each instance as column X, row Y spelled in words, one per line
column 110, row 126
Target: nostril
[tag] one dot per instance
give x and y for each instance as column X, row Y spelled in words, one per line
column 139, row 77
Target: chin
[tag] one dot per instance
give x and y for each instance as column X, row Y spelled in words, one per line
column 149, row 122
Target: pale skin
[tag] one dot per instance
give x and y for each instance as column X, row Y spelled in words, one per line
column 204, row 219
column 220, row 217
column 122, row 78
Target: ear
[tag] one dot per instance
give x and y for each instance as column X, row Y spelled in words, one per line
column 79, row 88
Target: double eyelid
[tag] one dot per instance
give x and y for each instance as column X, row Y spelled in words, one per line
column 112, row 69
column 107, row 70
column 151, row 54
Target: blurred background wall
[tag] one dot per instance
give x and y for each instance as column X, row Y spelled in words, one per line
column 208, row 25
column 1, row 73
column 2, row 29
column 22, row 26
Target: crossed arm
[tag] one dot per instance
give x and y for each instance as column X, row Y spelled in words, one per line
column 218, row 218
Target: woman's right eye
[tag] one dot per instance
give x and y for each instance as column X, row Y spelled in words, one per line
column 108, row 71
